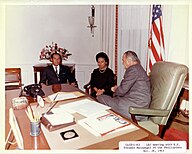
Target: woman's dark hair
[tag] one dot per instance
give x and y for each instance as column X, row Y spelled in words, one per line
column 55, row 53
column 104, row 56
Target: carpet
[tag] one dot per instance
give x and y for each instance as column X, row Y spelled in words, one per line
column 172, row 134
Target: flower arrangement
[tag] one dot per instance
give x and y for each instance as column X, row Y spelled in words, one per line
column 50, row 49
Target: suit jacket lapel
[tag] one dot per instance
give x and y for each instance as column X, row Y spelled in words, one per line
column 53, row 70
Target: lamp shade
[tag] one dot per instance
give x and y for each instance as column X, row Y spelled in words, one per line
column 91, row 20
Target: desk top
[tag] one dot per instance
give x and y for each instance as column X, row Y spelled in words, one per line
column 86, row 140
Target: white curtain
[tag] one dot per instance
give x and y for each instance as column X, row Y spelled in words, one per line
column 133, row 33
column 107, row 30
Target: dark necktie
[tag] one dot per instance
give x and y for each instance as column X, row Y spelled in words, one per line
column 56, row 71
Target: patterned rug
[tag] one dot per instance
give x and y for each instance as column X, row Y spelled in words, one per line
column 172, row 134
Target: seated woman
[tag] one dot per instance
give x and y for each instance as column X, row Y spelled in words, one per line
column 102, row 78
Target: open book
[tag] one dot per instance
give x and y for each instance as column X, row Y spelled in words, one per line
column 104, row 124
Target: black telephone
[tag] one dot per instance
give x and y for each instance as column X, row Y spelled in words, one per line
column 33, row 90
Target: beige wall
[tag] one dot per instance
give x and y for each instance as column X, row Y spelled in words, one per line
column 28, row 28
column 177, row 33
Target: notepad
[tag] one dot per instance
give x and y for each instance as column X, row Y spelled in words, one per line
column 59, row 118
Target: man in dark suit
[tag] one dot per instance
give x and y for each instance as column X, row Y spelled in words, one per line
column 57, row 73
column 134, row 89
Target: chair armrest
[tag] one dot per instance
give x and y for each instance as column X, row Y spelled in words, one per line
column 148, row 112
column 87, row 86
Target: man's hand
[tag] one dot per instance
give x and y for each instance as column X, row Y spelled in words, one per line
column 73, row 84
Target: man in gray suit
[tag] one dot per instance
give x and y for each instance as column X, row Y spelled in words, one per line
column 134, row 89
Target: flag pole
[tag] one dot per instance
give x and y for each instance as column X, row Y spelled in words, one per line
column 149, row 37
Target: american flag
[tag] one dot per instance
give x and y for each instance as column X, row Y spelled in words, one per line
column 156, row 39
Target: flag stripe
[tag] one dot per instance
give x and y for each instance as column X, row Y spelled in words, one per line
column 161, row 30
column 156, row 32
column 156, row 38
column 155, row 54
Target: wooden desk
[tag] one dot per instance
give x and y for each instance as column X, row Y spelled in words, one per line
column 184, row 95
column 185, row 90
column 40, row 68
column 106, row 142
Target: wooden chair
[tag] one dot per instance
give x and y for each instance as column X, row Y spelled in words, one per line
column 12, row 78
column 87, row 87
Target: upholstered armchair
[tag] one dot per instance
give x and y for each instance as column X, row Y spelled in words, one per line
column 166, row 80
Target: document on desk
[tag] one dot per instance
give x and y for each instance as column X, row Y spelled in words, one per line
column 64, row 95
column 104, row 124
column 85, row 107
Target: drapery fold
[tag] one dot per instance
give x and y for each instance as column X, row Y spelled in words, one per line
column 107, row 40
column 133, row 33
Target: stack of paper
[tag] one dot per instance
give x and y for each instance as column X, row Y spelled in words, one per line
column 85, row 107
column 59, row 118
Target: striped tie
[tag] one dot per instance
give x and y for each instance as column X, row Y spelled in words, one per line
column 56, row 70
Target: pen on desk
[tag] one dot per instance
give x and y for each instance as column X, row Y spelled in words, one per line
column 54, row 103
column 53, row 100
column 55, row 97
